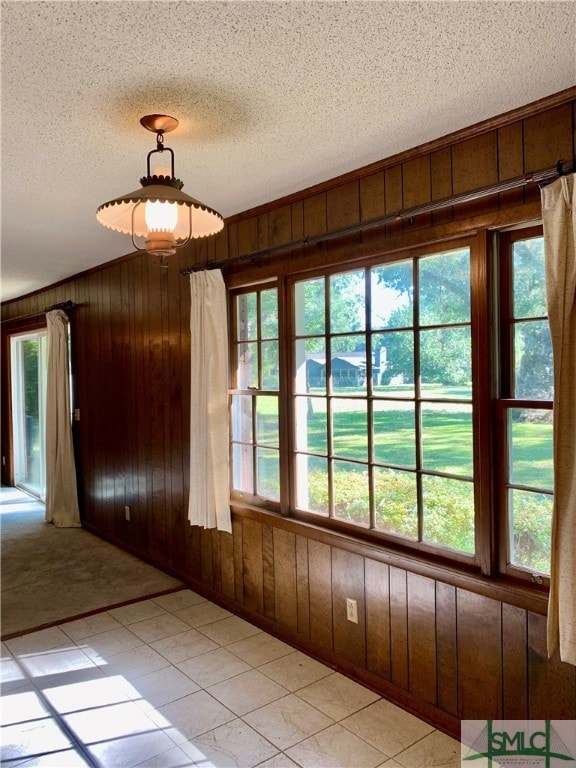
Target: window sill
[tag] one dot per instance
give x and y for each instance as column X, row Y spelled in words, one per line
column 499, row 588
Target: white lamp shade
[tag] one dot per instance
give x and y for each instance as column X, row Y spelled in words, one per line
column 127, row 213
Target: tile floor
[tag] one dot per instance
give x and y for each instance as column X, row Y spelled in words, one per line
column 178, row 681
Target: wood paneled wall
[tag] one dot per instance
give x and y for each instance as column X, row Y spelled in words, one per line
column 442, row 650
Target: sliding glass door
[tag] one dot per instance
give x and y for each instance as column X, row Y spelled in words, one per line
column 28, row 369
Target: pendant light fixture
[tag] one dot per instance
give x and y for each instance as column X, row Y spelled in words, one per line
column 160, row 212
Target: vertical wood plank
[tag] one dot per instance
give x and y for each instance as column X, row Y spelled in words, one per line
column 221, row 245
column 398, row 627
column 216, row 561
column 378, row 618
column 348, row 581
column 547, row 138
column 280, row 225
column 372, row 196
column 233, row 250
column 315, row 215
column 421, row 595
column 479, row 656
column 446, row 648
column 343, row 205
column 268, row 571
column 416, row 181
column 206, row 562
column 514, row 663
column 475, row 162
column 302, row 586
column 285, row 589
column 393, row 196
column 510, row 161
column 238, row 560
column 298, row 220
column 248, row 235
column 263, row 233
column 227, row 555
column 252, row 565
column 441, row 182
column 320, row 571
column 552, row 684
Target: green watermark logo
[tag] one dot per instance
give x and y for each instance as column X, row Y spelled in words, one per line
column 518, row 743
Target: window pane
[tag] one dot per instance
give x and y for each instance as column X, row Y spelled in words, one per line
column 394, row 359
column 270, row 366
column 447, row 438
column 445, row 363
column 310, row 365
column 531, row 525
column 348, row 364
column 448, row 513
column 268, row 473
column 396, row 502
column 242, row 478
column 533, row 364
column 267, row 420
column 350, row 428
column 246, row 316
column 394, row 433
column 309, row 307
column 445, row 288
column 529, row 284
column 312, row 484
column 347, row 302
column 311, row 424
column 531, row 447
column 391, row 290
column 242, row 418
column 269, row 314
column 248, row 365
column 351, row 492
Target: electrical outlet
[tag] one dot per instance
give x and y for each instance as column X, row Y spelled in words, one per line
column 352, row 610
column 127, row 513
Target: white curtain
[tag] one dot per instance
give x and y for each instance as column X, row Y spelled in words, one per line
column 209, row 502
column 61, row 493
column 558, row 210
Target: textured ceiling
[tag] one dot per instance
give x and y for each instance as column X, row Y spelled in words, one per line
column 272, row 97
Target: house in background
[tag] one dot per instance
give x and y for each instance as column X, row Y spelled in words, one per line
column 448, row 637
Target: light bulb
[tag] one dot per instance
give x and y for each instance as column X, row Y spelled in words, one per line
column 161, row 216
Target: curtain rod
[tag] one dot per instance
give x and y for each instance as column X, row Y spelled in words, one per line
column 64, row 305
column 537, row 177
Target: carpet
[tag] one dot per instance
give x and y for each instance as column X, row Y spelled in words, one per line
column 52, row 574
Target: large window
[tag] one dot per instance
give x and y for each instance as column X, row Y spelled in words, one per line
column 404, row 400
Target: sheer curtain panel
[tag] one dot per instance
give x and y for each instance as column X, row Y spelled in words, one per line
column 209, row 502
column 61, row 492
column 558, row 210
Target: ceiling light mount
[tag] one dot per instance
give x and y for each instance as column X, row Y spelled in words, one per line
column 167, row 217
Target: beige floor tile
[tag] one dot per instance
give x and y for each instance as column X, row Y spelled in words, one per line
column 91, row 625
column 134, row 663
column 191, row 716
column 185, row 646
column 173, row 758
column 337, row 696
column 202, row 613
column 23, row 705
column 387, row 727
column 158, row 628
column 247, row 691
column 162, row 687
column 43, row 640
column 335, row 747
column 56, row 661
column 175, row 601
column 287, row 721
column 229, row 630
column 12, row 675
column 279, row 761
column 68, row 758
column 233, row 745
column 437, row 750
column 213, row 667
column 36, row 737
column 132, row 750
column 101, row 691
column 115, row 721
column 103, row 646
column 128, row 614
column 296, row 670
column 259, row 649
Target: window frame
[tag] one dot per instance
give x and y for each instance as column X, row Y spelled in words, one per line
column 505, row 401
column 486, row 244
